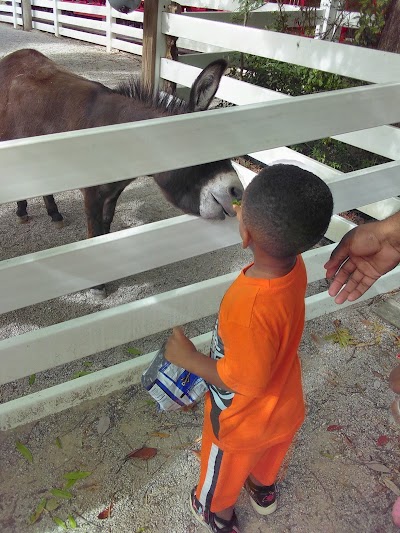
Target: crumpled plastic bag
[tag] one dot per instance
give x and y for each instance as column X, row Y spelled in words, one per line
column 170, row 386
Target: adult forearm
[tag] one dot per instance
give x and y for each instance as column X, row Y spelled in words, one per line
column 391, row 229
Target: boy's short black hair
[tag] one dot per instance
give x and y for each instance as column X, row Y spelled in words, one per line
column 286, row 209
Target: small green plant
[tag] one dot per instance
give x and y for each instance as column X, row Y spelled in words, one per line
column 295, row 80
column 371, row 22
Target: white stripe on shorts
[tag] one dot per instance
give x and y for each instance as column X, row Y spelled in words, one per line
column 208, row 481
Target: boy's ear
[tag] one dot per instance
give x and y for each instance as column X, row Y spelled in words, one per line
column 246, row 237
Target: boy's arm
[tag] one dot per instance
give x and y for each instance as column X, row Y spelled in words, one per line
column 180, row 351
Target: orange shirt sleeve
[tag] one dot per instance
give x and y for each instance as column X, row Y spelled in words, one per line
column 249, row 354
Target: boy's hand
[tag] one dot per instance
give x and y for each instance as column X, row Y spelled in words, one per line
column 179, row 349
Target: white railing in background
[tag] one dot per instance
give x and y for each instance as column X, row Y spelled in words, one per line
column 104, row 26
column 268, row 123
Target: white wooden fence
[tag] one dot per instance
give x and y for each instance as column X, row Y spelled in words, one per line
column 262, row 124
column 104, row 26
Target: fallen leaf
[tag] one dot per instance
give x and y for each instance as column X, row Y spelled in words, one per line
column 197, row 454
column 80, row 374
column 348, row 440
column 159, row 435
column 106, row 513
column 59, row 522
column 38, row 511
column 390, row 485
column 90, row 486
column 32, row 379
column 24, row 451
column 57, row 442
column 378, row 467
column 76, row 475
column 52, row 505
column 315, row 338
column 71, row 522
column 327, row 455
column 382, row 440
column 341, row 336
column 134, row 351
column 142, row 453
column 367, row 322
column 60, row 493
column 103, row 424
column 70, row 483
column 87, row 364
column 334, row 427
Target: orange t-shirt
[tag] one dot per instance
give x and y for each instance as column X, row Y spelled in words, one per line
column 255, row 341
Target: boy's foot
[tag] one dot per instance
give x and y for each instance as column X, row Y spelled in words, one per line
column 263, row 499
column 210, row 520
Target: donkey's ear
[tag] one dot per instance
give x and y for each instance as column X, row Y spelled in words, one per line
column 205, row 86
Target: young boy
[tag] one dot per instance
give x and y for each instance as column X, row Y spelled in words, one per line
column 255, row 404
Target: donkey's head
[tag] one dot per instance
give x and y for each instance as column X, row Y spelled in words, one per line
column 207, row 190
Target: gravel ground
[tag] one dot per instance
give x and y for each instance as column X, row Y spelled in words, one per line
column 337, row 481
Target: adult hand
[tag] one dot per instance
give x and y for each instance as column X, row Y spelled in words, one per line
column 179, row 349
column 364, row 254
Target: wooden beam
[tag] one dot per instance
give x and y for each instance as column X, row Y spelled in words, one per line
column 26, row 15
column 389, row 311
column 153, row 42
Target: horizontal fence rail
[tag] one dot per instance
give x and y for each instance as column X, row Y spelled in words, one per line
column 66, row 395
column 382, row 140
column 40, row 276
column 104, row 26
column 201, row 137
column 355, row 62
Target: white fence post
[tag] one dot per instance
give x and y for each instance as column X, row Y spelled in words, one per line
column 56, row 23
column 328, row 29
column 14, row 12
column 109, row 22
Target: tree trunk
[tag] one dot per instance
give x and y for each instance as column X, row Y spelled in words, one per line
column 390, row 37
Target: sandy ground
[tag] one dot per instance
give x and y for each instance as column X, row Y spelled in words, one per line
column 338, row 481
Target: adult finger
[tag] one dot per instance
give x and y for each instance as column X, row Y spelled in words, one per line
column 349, row 287
column 178, row 331
column 341, row 277
column 357, row 285
column 339, row 255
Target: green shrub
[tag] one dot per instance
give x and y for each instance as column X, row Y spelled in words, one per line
column 295, row 80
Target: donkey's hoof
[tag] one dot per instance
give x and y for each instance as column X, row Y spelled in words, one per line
column 58, row 223
column 24, row 219
column 98, row 293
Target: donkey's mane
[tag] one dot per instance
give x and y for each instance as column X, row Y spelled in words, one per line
column 134, row 88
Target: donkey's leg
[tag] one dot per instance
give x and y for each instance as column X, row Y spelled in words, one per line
column 94, row 211
column 94, row 218
column 22, row 213
column 110, row 204
column 52, row 210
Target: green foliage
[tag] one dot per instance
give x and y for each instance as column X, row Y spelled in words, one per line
column 295, row 80
column 291, row 79
column 371, row 22
column 24, row 451
column 338, row 155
